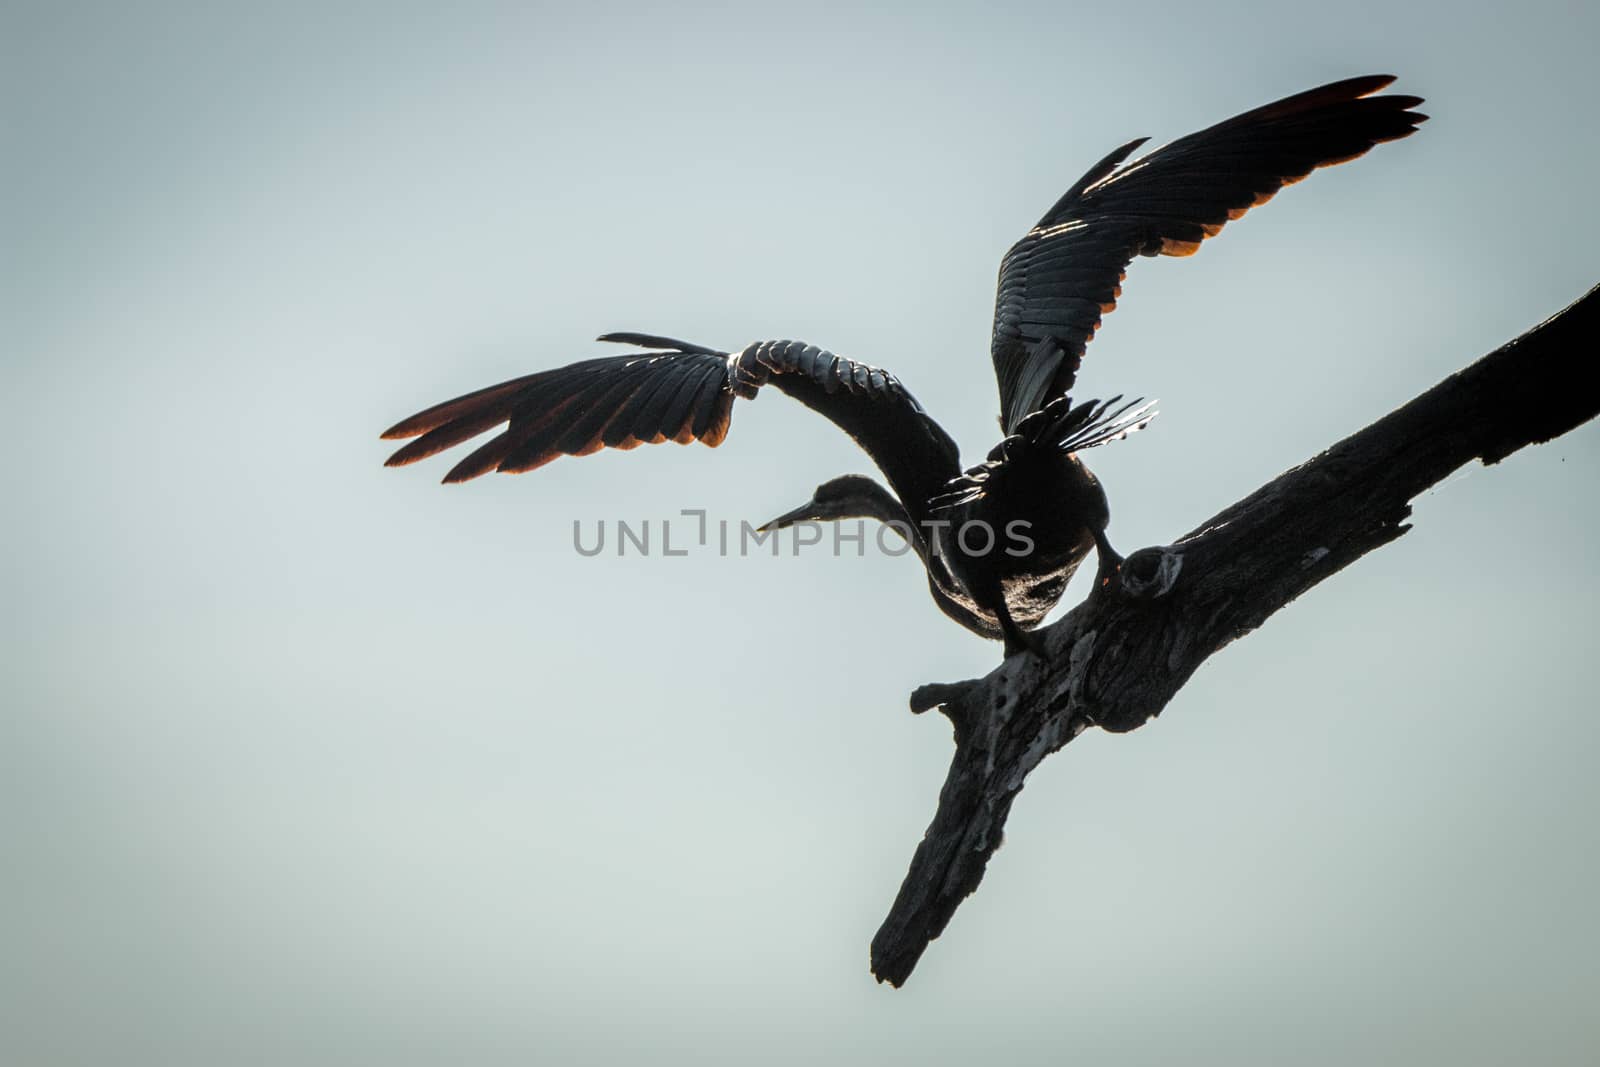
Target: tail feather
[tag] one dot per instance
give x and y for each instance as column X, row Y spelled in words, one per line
column 1108, row 422
column 1074, row 428
column 1058, row 426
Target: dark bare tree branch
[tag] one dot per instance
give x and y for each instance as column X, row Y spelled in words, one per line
column 1118, row 658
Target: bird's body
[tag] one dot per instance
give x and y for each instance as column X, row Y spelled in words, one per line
column 1043, row 526
column 1000, row 540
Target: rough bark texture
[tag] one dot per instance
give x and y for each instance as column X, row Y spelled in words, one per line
column 1119, row 657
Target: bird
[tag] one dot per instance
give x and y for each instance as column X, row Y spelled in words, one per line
column 1001, row 539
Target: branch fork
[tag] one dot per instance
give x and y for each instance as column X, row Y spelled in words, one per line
column 1117, row 659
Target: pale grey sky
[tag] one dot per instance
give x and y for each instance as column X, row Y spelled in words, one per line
column 307, row 762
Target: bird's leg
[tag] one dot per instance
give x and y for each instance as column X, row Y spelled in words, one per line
column 1107, row 558
column 1016, row 638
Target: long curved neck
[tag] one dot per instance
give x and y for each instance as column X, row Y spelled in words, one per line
column 867, row 499
column 870, row 500
column 861, row 497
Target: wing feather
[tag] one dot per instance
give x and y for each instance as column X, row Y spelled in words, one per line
column 683, row 394
column 1066, row 273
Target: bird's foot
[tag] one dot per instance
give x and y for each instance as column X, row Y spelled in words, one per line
column 1108, row 559
column 1019, row 640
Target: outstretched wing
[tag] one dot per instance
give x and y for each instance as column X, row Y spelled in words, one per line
column 1058, row 281
column 681, row 392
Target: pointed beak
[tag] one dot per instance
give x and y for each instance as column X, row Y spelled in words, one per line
column 805, row 512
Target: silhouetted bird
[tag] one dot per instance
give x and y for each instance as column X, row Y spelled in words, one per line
column 1001, row 539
